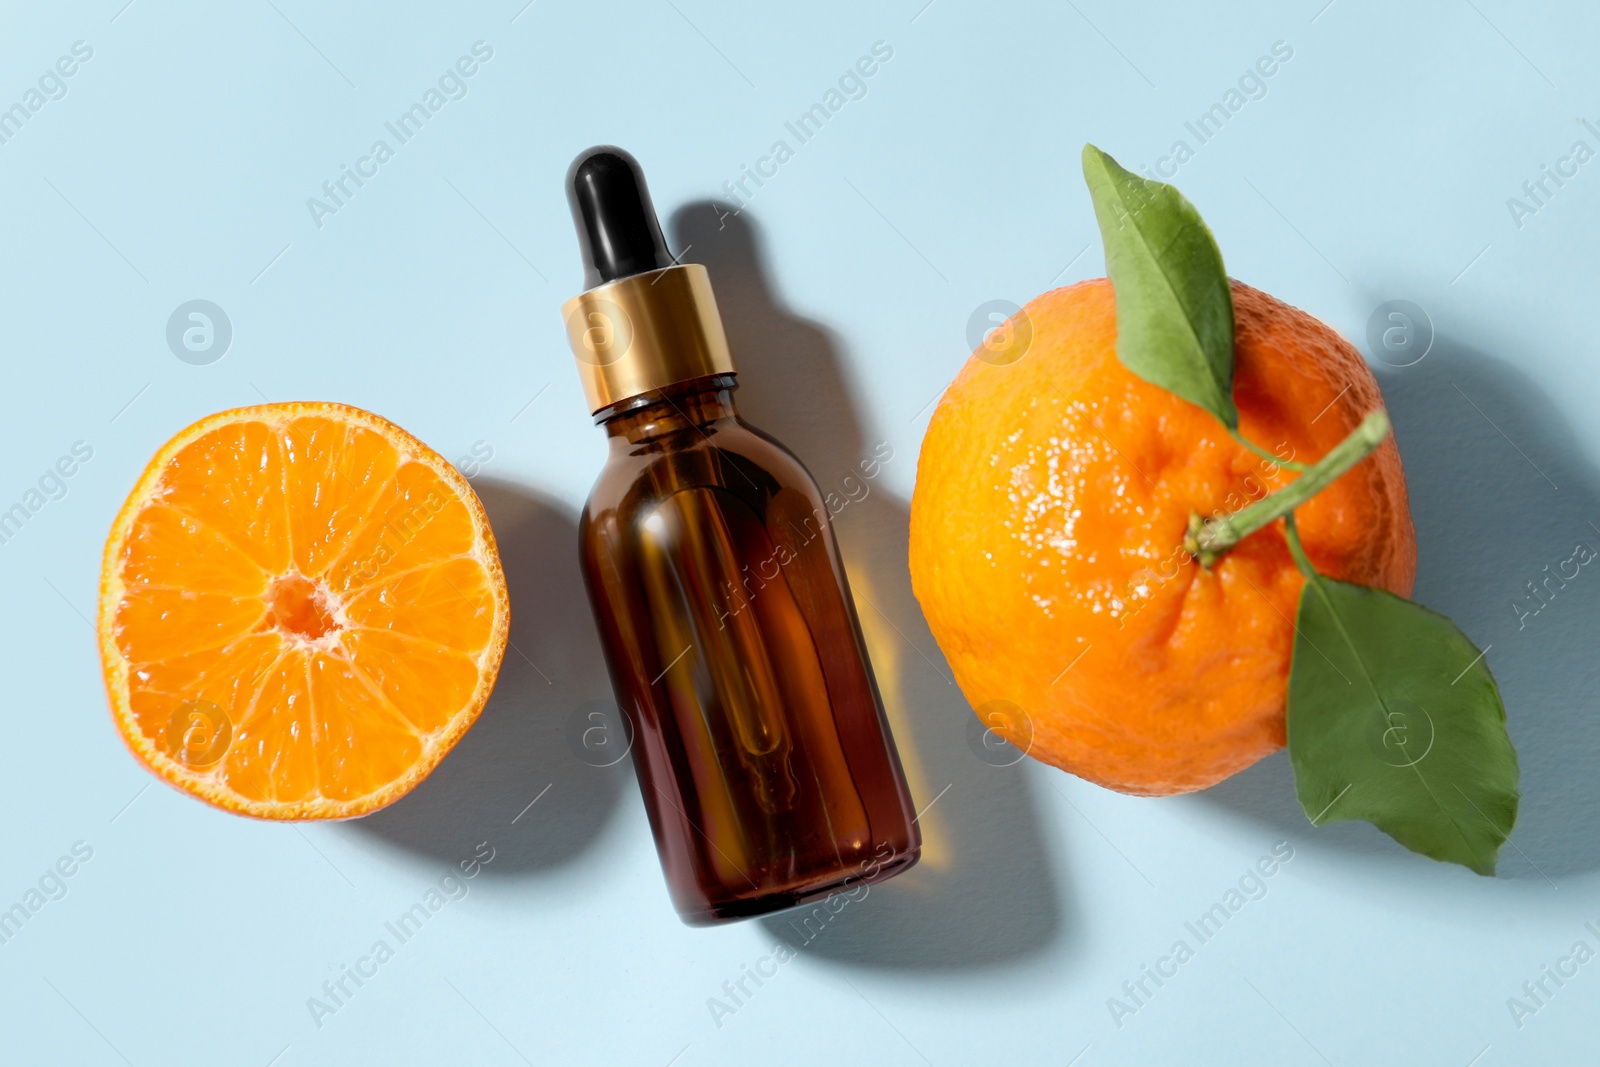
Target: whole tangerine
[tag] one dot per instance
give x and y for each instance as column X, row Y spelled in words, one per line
column 1052, row 496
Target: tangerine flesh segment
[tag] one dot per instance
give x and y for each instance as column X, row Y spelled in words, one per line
column 228, row 677
column 162, row 622
column 424, row 682
column 448, row 605
column 231, row 479
column 271, row 757
column 415, row 521
column 362, row 743
column 168, row 547
column 334, row 475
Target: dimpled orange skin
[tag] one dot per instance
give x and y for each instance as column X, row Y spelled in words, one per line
column 1052, row 494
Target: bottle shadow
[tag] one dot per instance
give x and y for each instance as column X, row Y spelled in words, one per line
column 518, row 752
column 984, row 892
column 1499, row 492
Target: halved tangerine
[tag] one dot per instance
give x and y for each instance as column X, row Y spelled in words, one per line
column 301, row 611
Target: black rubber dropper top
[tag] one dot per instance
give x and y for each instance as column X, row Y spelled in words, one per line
column 618, row 233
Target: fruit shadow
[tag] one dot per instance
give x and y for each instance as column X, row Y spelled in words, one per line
column 517, row 752
column 984, row 892
column 1499, row 490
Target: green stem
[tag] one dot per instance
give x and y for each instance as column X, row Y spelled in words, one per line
column 1291, row 533
column 1264, row 454
column 1208, row 539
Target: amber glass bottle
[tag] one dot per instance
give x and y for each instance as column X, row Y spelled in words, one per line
column 762, row 749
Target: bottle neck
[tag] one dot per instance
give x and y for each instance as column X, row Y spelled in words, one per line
column 696, row 404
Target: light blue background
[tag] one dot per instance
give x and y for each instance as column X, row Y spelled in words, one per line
column 1377, row 166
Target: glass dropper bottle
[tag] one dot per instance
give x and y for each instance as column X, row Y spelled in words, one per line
column 763, row 753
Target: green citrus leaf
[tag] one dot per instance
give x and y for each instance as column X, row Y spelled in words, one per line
column 1395, row 719
column 1174, row 307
